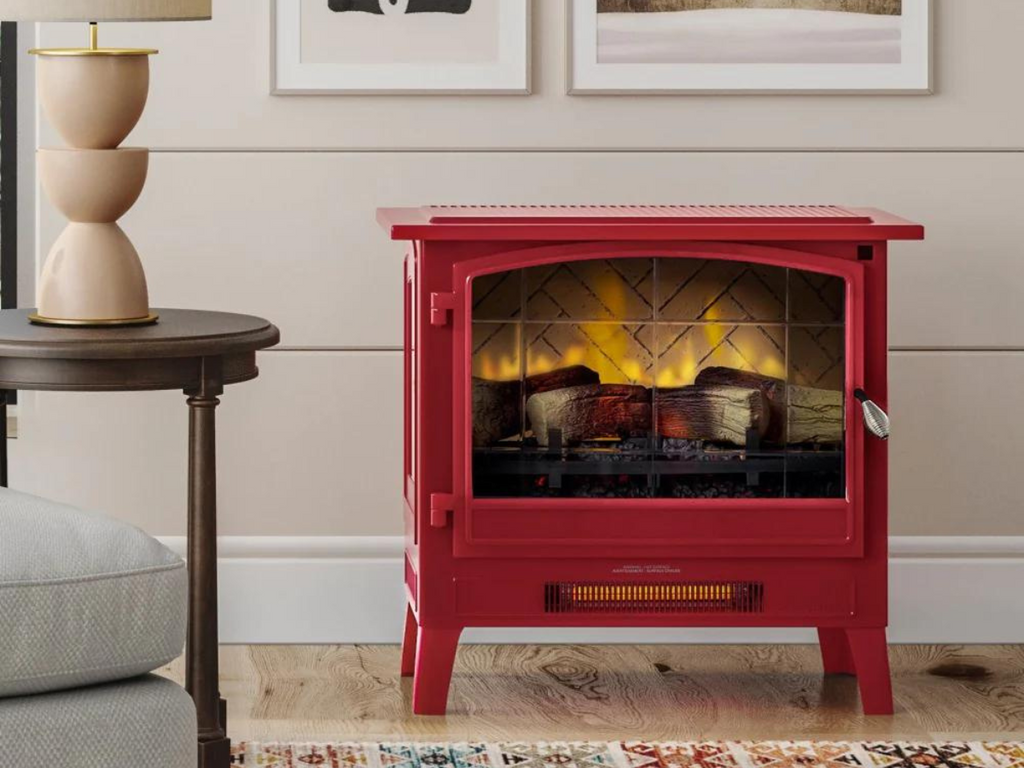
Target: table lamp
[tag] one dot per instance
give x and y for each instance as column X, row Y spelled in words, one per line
column 94, row 97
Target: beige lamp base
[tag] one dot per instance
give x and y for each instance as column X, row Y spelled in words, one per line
column 94, row 97
column 93, row 275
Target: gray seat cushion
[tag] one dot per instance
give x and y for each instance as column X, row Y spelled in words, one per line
column 147, row 721
column 84, row 599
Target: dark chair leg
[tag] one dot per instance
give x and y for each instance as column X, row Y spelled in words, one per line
column 215, row 754
column 3, row 439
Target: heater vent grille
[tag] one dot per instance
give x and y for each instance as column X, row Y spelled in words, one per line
column 659, row 597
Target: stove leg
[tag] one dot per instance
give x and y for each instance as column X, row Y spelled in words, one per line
column 409, row 643
column 870, row 653
column 835, row 652
column 435, row 657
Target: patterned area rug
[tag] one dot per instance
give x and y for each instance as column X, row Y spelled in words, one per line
column 635, row 754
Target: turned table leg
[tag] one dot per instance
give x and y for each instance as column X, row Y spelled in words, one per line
column 202, row 664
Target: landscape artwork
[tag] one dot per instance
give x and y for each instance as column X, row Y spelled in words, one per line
column 750, row 45
column 401, row 46
column 750, row 31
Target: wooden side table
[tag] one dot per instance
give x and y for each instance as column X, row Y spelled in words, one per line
column 199, row 353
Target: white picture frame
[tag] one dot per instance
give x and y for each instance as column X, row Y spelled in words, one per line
column 585, row 75
column 510, row 75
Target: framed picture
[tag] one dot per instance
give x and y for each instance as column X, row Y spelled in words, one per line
column 750, row 46
column 401, row 46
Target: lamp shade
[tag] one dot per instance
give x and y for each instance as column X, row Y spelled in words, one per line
column 105, row 10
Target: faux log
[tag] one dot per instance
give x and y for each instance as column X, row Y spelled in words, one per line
column 590, row 412
column 732, row 377
column 497, row 408
column 773, row 389
column 714, row 413
column 815, row 415
column 573, row 376
column 496, row 411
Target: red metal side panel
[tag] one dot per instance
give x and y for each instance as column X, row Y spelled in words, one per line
column 873, row 603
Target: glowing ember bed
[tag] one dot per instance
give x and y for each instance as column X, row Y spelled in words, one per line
column 646, row 416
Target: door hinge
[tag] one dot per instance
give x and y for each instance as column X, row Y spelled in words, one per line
column 440, row 305
column 440, row 505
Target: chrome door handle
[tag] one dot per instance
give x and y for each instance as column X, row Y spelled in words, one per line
column 875, row 419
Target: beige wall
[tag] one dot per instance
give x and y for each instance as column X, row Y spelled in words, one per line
column 266, row 204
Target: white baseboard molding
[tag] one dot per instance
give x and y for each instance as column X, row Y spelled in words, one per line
column 326, row 590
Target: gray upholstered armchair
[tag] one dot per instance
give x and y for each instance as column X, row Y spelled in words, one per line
column 88, row 607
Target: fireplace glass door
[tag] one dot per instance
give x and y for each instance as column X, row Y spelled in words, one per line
column 658, row 378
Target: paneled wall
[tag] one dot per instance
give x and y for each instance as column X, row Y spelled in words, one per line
column 265, row 204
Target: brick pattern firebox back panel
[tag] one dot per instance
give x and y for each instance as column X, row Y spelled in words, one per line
column 635, row 754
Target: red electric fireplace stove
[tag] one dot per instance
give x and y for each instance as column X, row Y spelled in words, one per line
column 646, row 417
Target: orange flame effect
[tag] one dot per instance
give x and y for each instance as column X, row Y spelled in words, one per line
column 611, row 349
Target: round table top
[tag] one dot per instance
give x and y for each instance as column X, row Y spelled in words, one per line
column 179, row 333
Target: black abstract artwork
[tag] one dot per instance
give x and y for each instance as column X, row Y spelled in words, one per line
column 395, row 7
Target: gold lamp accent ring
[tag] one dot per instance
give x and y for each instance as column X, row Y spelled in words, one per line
column 37, row 319
column 94, row 48
column 94, row 51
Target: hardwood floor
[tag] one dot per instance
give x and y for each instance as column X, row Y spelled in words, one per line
column 609, row 692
